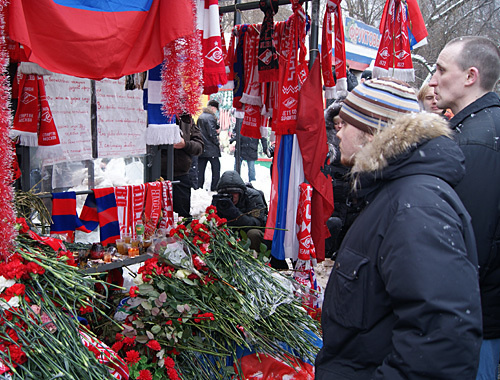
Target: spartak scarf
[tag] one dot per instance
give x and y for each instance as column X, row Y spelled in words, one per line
column 285, row 119
column 251, row 94
column 152, row 209
column 214, row 70
column 332, row 88
column 306, row 244
column 252, row 121
column 394, row 55
column 238, row 67
column 33, row 121
column 267, row 57
column 167, row 206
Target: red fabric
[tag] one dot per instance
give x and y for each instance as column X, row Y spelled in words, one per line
column 417, row 24
column 152, row 210
column 262, row 366
column 267, row 57
column 122, row 194
column 394, row 53
column 311, row 134
column 167, row 208
column 340, row 61
column 26, row 118
column 252, row 90
column 16, row 170
column 251, row 122
column 47, row 134
column 271, row 216
column 306, row 245
column 326, row 48
column 214, row 70
column 97, row 44
column 291, row 69
column 136, row 207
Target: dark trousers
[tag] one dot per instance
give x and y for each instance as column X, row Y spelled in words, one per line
column 202, row 165
column 182, row 196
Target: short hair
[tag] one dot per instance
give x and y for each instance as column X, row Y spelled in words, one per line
column 481, row 53
column 213, row 103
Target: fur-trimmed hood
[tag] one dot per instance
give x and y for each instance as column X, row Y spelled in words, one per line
column 413, row 144
column 208, row 110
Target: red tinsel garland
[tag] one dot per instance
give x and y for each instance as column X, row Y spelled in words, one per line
column 7, row 216
column 182, row 83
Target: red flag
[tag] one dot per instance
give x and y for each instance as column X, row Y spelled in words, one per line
column 311, row 133
column 98, row 39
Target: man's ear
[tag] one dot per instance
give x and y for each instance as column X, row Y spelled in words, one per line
column 472, row 76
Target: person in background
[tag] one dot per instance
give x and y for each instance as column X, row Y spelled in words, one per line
column 249, row 152
column 207, row 123
column 402, row 300
column 365, row 75
column 346, row 208
column 242, row 206
column 467, row 71
column 191, row 145
column 352, row 81
column 427, row 100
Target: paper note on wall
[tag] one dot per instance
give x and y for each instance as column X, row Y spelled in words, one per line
column 69, row 100
column 121, row 120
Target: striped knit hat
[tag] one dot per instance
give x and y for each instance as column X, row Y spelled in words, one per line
column 371, row 105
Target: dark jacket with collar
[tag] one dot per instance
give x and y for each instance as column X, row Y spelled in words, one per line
column 252, row 207
column 402, row 301
column 477, row 129
column 207, row 123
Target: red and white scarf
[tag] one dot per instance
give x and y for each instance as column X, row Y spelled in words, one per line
column 167, row 207
column 292, row 70
column 214, row 70
column 152, row 209
column 332, row 89
column 394, row 55
column 267, row 57
column 33, row 121
column 306, row 244
column 130, row 206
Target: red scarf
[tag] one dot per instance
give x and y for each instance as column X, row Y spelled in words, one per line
column 33, row 121
column 394, row 55
column 332, row 88
column 167, row 208
column 152, row 209
column 292, row 69
column 306, row 244
column 268, row 59
column 214, row 70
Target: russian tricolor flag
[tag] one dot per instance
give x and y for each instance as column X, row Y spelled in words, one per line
column 98, row 38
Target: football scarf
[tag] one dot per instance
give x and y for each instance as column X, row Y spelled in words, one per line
column 267, row 57
column 332, row 88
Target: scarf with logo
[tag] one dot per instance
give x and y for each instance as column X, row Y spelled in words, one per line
column 331, row 88
column 267, row 57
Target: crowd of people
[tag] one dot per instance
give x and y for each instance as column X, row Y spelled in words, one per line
column 415, row 289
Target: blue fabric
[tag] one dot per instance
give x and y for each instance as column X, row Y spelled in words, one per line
column 488, row 360
column 284, row 163
column 251, row 169
column 107, row 5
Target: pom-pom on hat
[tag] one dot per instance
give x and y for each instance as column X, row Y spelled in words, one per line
column 373, row 104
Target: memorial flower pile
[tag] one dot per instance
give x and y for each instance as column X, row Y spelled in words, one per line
column 42, row 295
column 201, row 300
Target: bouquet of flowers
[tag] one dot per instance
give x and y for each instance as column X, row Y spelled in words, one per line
column 42, row 299
column 202, row 300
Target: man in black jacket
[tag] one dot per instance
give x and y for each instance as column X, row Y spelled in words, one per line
column 467, row 71
column 207, row 122
column 242, row 206
column 402, row 301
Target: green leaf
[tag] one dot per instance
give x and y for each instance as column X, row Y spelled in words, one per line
column 156, row 329
column 146, row 305
column 142, row 339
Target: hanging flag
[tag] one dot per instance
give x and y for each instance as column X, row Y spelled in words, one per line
column 311, row 134
column 214, row 70
column 331, row 88
column 98, row 39
column 402, row 28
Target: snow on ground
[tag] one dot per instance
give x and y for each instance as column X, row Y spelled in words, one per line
column 202, row 198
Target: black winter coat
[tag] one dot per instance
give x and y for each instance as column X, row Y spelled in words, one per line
column 477, row 129
column 208, row 127
column 402, row 301
column 251, row 205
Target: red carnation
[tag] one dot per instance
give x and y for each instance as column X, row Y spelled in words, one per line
column 132, row 357
column 129, row 341
column 172, row 374
column 15, row 290
column 118, row 337
column 17, row 355
column 145, row 375
column 133, row 291
column 169, row 362
column 154, row 345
